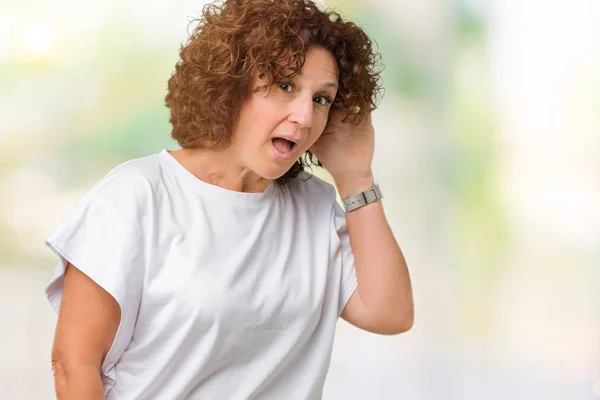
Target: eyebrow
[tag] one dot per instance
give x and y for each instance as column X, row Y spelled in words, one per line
column 331, row 84
column 326, row 84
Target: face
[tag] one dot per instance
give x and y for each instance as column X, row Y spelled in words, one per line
column 278, row 125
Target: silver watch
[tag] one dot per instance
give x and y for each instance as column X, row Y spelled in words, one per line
column 362, row 199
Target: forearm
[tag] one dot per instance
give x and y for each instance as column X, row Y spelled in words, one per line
column 384, row 284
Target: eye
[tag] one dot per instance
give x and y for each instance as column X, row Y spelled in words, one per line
column 286, row 87
column 324, row 100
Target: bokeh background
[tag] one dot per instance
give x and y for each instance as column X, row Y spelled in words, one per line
column 488, row 152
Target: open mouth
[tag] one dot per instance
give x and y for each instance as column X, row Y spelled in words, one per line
column 284, row 148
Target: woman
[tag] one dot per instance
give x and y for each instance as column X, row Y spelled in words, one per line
column 218, row 271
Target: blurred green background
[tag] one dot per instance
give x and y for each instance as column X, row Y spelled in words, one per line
column 488, row 152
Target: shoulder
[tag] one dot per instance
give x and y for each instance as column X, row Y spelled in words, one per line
column 105, row 222
column 129, row 187
column 131, row 175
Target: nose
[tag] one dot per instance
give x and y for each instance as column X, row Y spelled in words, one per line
column 301, row 111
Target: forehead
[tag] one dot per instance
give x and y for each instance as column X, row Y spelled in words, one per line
column 319, row 64
column 320, row 68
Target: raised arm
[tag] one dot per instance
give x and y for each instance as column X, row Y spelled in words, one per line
column 87, row 324
column 383, row 301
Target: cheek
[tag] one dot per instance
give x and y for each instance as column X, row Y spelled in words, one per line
column 315, row 134
column 319, row 125
column 260, row 122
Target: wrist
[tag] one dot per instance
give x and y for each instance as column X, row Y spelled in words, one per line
column 351, row 185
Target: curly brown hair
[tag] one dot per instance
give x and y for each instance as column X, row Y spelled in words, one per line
column 234, row 39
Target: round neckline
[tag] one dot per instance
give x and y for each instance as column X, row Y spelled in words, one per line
column 216, row 192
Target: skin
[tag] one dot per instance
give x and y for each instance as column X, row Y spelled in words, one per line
column 86, row 327
column 383, row 303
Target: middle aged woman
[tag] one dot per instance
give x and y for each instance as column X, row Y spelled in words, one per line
column 219, row 271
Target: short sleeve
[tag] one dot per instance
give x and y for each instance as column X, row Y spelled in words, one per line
column 348, row 281
column 95, row 239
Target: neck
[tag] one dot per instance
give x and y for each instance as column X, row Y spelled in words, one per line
column 220, row 169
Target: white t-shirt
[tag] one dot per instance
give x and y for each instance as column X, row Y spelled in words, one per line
column 223, row 294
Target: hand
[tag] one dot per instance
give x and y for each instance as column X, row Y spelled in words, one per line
column 345, row 149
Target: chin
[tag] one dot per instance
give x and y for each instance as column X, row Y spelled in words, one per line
column 272, row 175
column 274, row 171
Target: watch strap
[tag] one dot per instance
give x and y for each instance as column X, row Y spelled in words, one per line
column 363, row 198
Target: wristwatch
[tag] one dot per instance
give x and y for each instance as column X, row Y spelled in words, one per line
column 361, row 199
